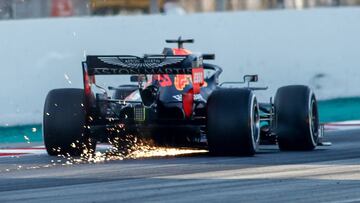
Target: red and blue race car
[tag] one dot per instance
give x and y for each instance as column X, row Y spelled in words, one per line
column 177, row 100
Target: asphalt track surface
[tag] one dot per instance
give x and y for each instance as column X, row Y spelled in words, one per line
column 329, row 174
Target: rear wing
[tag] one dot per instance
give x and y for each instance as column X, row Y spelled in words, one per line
column 149, row 64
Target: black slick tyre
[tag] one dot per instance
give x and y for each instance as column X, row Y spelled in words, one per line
column 64, row 123
column 233, row 122
column 297, row 120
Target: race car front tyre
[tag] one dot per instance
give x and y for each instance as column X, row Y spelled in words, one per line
column 233, row 122
column 296, row 118
column 64, row 124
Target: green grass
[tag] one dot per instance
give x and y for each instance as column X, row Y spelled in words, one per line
column 330, row 111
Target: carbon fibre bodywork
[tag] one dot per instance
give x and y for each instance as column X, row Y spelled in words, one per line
column 169, row 102
column 154, row 110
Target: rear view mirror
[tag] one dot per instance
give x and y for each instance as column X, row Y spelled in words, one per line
column 208, row 56
column 251, row 78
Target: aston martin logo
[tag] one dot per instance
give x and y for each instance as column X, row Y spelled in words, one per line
column 146, row 62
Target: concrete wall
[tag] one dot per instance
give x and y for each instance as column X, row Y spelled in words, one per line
column 318, row 47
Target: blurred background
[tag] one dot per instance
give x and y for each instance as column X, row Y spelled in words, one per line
column 22, row 9
column 310, row 42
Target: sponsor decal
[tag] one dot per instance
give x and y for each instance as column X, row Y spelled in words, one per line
column 151, row 65
column 198, row 75
column 198, row 79
column 181, row 81
column 132, row 71
column 197, row 97
column 137, row 62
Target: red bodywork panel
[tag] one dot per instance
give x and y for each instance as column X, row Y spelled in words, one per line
column 197, row 82
column 88, row 81
column 198, row 79
column 188, row 103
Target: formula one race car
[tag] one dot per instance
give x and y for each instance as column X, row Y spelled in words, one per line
column 177, row 101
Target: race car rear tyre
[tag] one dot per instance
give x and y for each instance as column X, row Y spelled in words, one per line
column 64, row 124
column 297, row 120
column 233, row 122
